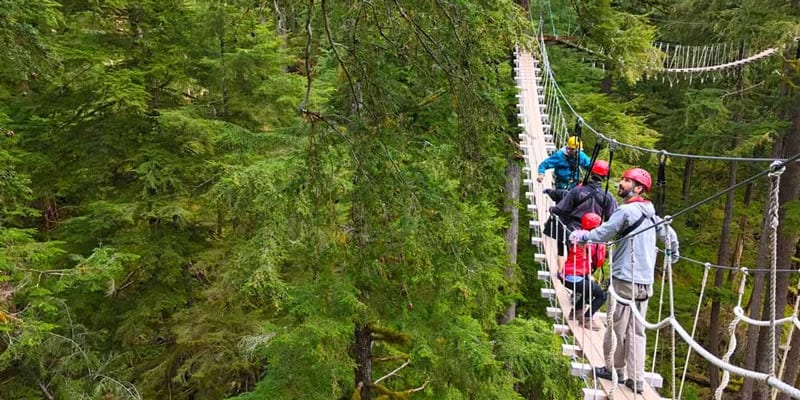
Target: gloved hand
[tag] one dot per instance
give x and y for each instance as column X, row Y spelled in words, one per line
column 674, row 256
column 578, row 236
column 540, row 178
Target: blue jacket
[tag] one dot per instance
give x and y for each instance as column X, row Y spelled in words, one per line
column 562, row 167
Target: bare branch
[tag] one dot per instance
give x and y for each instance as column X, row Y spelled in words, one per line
column 419, row 389
column 416, row 30
column 339, row 58
column 392, row 373
column 309, row 37
column 45, row 391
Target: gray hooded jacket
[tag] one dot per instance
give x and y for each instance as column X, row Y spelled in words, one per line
column 638, row 268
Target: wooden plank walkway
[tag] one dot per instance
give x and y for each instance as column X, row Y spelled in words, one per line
column 534, row 143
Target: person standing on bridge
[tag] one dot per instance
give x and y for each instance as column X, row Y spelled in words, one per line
column 566, row 164
column 636, row 226
column 577, row 275
column 589, row 197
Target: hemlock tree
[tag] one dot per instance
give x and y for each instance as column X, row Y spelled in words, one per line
column 172, row 226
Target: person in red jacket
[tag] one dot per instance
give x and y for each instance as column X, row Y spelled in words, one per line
column 581, row 261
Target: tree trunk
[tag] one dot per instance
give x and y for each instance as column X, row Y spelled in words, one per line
column 746, row 392
column 688, row 170
column 511, row 208
column 606, row 84
column 221, row 37
column 362, row 353
column 744, row 226
column 789, row 190
column 719, row 276
column 723, row 255
column 526, row 4
column 786, row 243
column 756, row 296
column 790, row 374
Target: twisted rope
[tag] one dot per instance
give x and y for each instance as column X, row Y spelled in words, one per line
column 668, row 262
column 788, row 341
column 775, row 178
column 612, row 308
column 660, row 307
column 694, row 326
column 726, row 376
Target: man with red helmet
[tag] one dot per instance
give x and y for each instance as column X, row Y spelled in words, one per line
column 632, row 272
column 576, row 275
column 589, row 197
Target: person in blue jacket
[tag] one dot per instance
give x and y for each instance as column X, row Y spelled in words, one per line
column 566, row 164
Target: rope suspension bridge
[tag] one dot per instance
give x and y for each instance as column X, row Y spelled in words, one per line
column 543, row 126
column 676, row 61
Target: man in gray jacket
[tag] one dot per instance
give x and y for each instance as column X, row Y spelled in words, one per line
column 632, row 271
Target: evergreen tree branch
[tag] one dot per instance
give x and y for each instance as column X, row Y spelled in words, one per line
column 452, row 21
column 400, row 176
column 416, row 29
column 309, row 38
column 356, row 101
column 45, row 391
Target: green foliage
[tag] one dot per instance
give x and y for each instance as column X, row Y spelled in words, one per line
column 302, row 358
column 172, row 227
column 527, row 348
column 623, row 38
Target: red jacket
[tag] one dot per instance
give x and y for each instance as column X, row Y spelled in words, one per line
column 578, row 259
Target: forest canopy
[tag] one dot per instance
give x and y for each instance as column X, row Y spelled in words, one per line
column 315, row 200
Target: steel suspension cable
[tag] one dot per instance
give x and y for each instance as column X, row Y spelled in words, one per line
column 776, row 165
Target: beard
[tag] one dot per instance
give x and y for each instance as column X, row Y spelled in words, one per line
column 622, row 192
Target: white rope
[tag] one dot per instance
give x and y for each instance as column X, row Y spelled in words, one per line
column 739, row 311
column 631, row 321
column 694, row 327
column 732, row 343
column 668, row 262
column 612, row 308
column 699, row 349
column 788, row 340
column 660, row 307
column 773, row 237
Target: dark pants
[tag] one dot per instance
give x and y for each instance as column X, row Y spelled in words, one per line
column 580, row 292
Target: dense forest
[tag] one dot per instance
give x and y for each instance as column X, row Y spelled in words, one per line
column 320, row 199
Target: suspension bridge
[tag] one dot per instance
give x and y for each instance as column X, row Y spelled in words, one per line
column 543, row 125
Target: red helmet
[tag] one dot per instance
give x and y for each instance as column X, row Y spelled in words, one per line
column 590, row 221
column 600, row 168
column 639, row 176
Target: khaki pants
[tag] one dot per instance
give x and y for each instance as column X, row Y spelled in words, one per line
column 630, row 334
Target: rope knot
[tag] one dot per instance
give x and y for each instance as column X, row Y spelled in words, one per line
column 662, row 156
column 612, row 144
column 667, row 220
column 776, row 168
column 707, row 265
